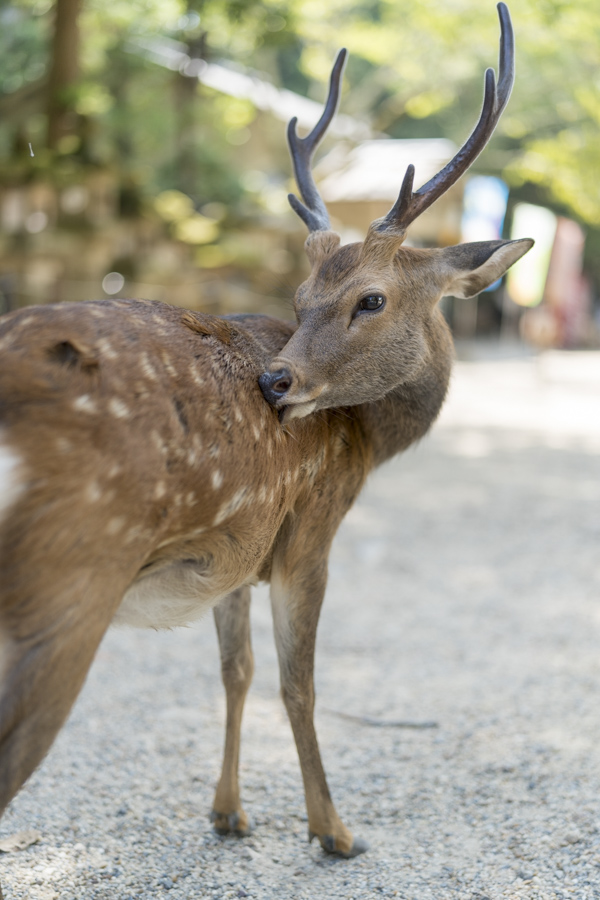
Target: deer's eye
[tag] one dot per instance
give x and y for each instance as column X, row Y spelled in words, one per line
column 370, row 303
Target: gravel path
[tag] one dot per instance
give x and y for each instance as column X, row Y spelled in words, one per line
column 464, row 590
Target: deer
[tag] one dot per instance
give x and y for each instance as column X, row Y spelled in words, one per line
column 155, row 462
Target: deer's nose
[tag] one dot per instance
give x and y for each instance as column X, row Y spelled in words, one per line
column 275, row 385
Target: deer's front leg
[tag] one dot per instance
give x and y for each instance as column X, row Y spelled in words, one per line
column 232, row 618
column 296, row 603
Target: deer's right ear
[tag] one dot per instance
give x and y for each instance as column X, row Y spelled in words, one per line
column 473, row 267
column 320, row 244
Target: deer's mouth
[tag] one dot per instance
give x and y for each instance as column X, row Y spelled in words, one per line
column 296, row 410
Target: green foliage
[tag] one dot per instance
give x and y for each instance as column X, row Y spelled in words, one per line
column 419, row 67
column 24, row 36
column 415, row 69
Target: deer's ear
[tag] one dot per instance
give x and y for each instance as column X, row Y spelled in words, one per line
column 473, row 267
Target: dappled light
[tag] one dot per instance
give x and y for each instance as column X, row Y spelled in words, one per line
column 165, row 109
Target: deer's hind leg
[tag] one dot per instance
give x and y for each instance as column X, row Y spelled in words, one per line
column 232, row 618
column 59, row 589
column 41, row 680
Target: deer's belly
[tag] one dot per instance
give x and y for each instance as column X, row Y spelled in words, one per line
column 176, row 594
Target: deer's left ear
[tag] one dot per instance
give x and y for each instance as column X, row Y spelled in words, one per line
column 473, row 267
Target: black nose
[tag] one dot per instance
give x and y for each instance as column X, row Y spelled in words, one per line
column 274, row 385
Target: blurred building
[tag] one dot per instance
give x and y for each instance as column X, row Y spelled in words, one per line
column 360, row 184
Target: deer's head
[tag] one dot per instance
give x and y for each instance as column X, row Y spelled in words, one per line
column 366, row 312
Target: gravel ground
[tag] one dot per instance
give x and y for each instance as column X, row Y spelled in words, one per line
column 463, row 591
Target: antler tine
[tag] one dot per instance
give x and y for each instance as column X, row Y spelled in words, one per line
column 410, row 205
column 314, row 213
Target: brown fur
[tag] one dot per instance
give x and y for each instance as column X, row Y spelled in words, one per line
column 145, row 446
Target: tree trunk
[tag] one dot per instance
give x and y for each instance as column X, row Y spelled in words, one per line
column 186, row 127
column 64, row 71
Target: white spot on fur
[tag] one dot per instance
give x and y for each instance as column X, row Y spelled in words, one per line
column 141, row 389
column 214, row 451
column 147, row 367
column 238, row 414
column 115, row 525
column 92, row 492
column 11, row 483
column 63, row 445
column 158, row 442
column 85, row 404
column 256, row 433
column 196, row 377
column 106, row 349
column 168, row 364
column 114, row 471
column 311, row 466
column 133, row 534
column 217, row 479
column 232, row 506
column 118, row 408
column 160, row 490
column 190, row 498
column 262, row 494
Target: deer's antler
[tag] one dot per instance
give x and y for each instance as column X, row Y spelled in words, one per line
column 409, row 205
column 314, row 213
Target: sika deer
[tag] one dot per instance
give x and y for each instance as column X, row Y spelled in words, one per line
column 144, row 477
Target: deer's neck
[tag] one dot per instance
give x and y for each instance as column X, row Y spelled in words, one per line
column 405, row 414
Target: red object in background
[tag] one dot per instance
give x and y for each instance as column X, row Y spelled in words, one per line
column 567, row 292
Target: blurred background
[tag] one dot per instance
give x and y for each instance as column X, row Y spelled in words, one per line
column 142, row 149
column 143, row 153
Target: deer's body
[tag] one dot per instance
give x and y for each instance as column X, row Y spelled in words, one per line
column 155, row 462
column 212, row 493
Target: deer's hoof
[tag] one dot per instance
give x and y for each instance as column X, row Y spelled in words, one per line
column 327, row 842
column 231, row 823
